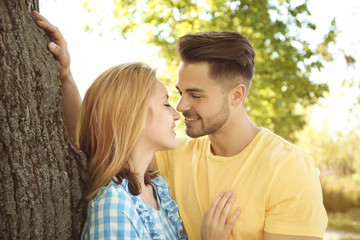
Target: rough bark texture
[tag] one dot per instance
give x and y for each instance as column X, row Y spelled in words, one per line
column 42, row 173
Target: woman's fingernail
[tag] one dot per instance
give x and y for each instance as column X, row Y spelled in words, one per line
column 52, row 46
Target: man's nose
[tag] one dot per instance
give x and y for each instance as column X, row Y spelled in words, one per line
column 183, row 105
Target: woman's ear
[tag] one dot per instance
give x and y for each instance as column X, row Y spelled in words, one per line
column 238, row 94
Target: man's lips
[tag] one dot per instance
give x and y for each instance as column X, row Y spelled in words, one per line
column 190, row 120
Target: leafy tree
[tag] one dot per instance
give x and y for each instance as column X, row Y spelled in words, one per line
column 281, row 88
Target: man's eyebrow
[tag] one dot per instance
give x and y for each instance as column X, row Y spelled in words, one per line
column 191, row 89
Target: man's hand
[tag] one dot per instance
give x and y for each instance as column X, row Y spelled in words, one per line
column 215, row 225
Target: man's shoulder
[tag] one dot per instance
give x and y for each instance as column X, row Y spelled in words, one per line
column 270, row 141
column 279, row 151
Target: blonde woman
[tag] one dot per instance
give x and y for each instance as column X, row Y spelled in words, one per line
column 124, row 119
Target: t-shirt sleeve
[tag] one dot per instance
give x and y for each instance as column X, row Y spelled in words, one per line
column 295, row 203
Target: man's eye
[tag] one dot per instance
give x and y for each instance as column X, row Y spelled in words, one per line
column 195, row 96
column 167, row 105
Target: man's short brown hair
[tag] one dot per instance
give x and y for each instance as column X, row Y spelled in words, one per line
column 229, row 54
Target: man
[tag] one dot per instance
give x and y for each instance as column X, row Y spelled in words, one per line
column 276, row 186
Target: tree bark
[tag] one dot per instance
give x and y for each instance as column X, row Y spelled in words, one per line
column 42, row 173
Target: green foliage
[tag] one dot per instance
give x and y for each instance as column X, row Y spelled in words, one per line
column 349, row 221
column 341, row 194
column 340, row 151
column 328, row 39
column 281, row 88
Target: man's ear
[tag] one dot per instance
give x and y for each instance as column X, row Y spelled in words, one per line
column 237, row 94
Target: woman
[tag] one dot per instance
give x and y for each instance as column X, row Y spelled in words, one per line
column 124, row 119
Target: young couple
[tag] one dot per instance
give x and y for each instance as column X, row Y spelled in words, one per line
column 126, row 119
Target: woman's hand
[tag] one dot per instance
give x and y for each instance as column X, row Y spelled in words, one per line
column 215, row 225
column 57, row 46
column 70, row 92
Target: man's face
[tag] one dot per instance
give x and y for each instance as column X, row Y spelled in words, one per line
column 202, row 102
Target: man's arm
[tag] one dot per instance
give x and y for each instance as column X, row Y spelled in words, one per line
column 273, row 236
column 70, row 92
column 295, row 207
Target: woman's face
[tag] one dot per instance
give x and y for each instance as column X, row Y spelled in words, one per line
column 159, row 130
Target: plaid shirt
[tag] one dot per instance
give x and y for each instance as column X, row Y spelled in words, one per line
column 116, row 214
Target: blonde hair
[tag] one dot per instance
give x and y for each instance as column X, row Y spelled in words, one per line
column 111, row 118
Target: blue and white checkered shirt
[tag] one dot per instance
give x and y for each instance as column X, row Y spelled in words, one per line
column 116, row 214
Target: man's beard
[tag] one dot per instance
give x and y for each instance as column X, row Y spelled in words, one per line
column 210, row 124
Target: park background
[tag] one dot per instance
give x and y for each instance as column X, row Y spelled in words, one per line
column 308, row 74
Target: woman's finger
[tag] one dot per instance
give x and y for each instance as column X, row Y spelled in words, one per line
column 227, row 207
column 52, row 31
column 59, row 53
column 234, row 217
column 215, row 203
column 220, row 206
column 39, row 16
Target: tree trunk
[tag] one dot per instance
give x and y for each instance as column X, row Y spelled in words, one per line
column 42, row 173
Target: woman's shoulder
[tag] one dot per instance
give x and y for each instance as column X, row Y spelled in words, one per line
column 164, row 195
column 159, row 181
column 113, row 195
column 167, row 204
column 160, row 185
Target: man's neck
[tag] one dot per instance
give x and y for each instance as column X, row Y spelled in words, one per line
column 233, row 137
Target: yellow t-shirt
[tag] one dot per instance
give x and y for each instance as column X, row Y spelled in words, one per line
column 276, row 186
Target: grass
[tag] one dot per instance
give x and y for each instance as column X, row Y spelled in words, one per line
column 349, row 221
